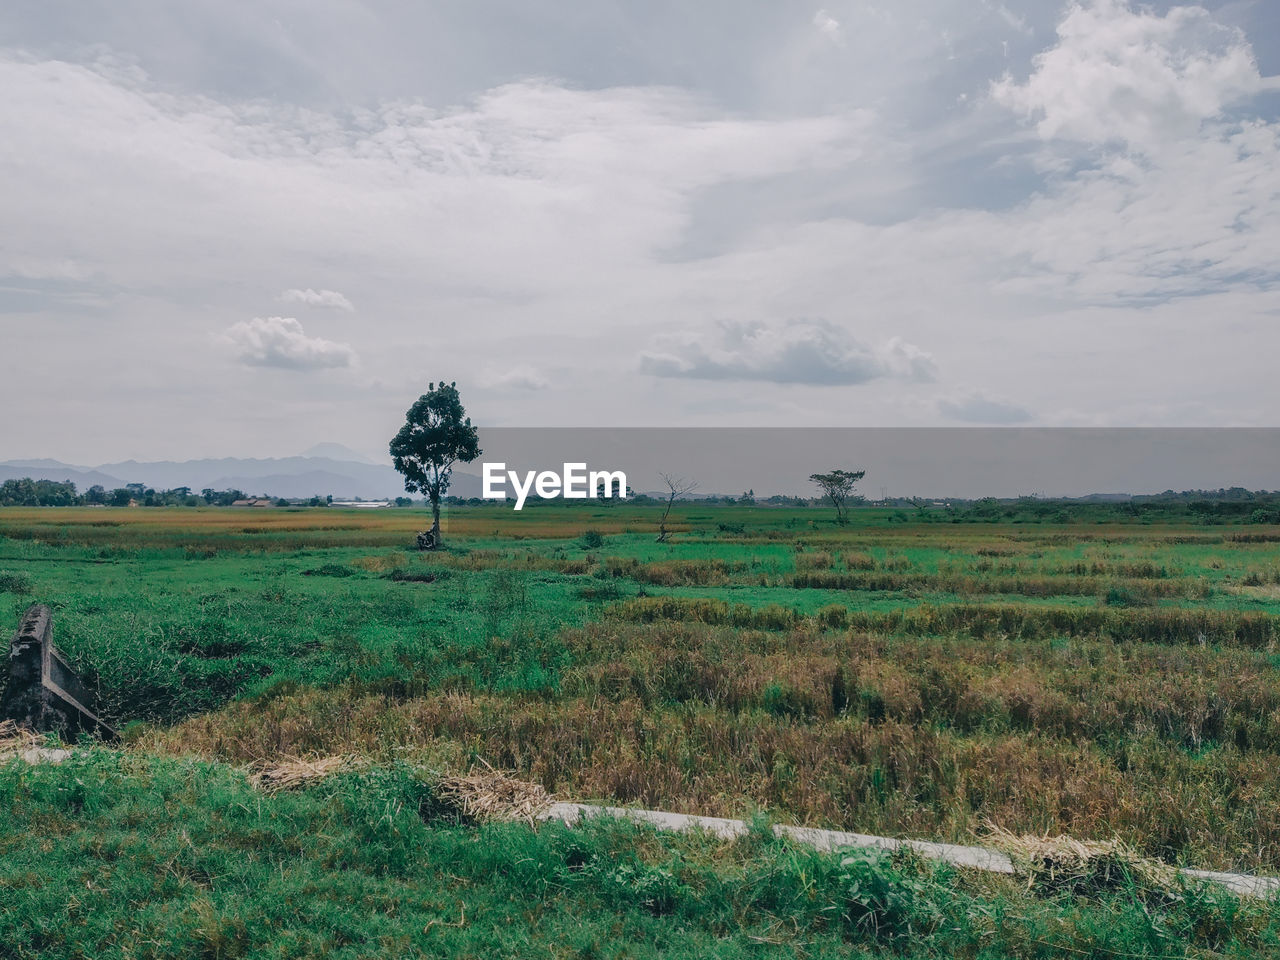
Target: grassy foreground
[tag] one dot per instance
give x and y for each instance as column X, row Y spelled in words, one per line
column 910, row 679
column 120, row 855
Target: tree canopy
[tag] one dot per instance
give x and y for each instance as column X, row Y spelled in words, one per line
column 437, row 433
column 838, row 488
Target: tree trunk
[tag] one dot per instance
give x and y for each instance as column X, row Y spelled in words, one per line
column 662, row 524
column 430, row 539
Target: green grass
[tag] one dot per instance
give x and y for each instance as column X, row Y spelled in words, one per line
column 117, row 855
column 162, row 636
column 909, row 679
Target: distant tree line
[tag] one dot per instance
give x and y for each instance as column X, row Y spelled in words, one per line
column 1235, row 505
column 62, row 493
column 1193, row 506
column 37, row 493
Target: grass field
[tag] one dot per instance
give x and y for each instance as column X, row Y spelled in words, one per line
column 927, row 680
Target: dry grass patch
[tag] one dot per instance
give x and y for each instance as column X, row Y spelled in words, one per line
column 1081, row 866
column 382, row 563
column 1219, row 809
column 294, row 773
column 16, row 741
column 857, row 560
column 1267, row 592
column 489, row 794
column 813, row 561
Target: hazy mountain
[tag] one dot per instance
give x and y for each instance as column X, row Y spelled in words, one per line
column 44, row 463
column 337, row 451
column 309, row 484
column 82, row 477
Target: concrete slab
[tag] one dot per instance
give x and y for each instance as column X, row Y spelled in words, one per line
column 975, row 858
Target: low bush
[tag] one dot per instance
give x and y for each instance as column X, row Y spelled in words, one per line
column 18, row 583
column 330, row 570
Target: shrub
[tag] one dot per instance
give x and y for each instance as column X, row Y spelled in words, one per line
column 883, row 901
column 412, row 576
column 813, row 561
column 1118, row 596
column 783, row 700
column 18, row 583
column 330, row 570
column 834, row 616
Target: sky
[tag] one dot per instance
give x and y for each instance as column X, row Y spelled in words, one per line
column 243, row 228
column 913, row 462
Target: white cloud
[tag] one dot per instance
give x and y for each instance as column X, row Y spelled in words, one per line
column 1188, row 208
column 907, row 361
column 331, row 299
column 281, row 342
column 520, row 377
column 828, row 26
column 802, row 352
column 528, row 187
column 1198, row 217
column 1119, row 74
column 979, row 408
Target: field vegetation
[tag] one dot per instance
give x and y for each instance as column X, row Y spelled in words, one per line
column 1104, row 677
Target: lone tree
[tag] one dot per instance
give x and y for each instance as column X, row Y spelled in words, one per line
column 678, row 486
column 837, row 486
column 436, row 434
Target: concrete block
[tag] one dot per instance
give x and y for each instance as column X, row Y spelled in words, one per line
column 43, row 692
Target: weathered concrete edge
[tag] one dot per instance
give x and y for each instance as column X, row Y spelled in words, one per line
column 975, row 858
column 1243, row 884
column 34, row 755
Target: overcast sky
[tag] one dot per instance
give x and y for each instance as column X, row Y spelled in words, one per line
column 242, row 228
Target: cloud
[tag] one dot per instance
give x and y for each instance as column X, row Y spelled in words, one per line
column 517, row 378
column 1187, row 208
column 1197, row 218
column 331, row 299
column 281, row 342
column 477, row 223
column 828, row 26
column 815, row 353
column 1010, row 18
column 978, row 408
column 523, row 179
column 1117, row 74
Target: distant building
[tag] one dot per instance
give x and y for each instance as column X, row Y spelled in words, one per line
column 254, row 502
column 363, row 504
